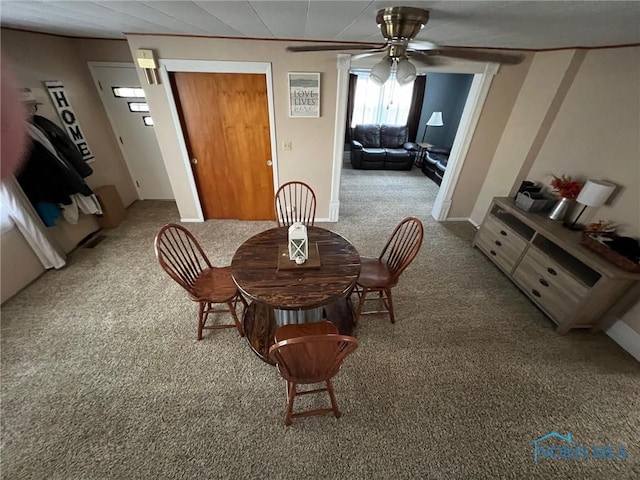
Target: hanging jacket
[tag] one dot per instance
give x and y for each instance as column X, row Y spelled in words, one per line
column 63, row 144
column 46, row 176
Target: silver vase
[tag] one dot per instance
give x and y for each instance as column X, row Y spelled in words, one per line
column 560, row 209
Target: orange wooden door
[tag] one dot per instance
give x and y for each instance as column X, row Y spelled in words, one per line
column 225, row 118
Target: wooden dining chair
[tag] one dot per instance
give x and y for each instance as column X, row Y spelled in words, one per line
column 380, row 275
column 182, row 257
column 310, row 353
column 295, row 202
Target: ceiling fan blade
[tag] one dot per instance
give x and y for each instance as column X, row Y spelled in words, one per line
column 323, row 48
column 425, row 59
column 368, row 54
column 422, row 45
column 480, row 56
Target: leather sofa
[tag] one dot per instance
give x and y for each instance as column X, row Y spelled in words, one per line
column 434, row 163
column 382, row 147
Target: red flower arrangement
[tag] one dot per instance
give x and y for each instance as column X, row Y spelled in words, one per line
column 565, row 187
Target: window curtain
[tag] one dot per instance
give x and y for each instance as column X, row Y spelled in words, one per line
column 17, row 207
column 413, row 122
column 353, row 83
column 388, row 104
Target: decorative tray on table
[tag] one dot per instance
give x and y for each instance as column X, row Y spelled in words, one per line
column 312, row 262
column 594, row 241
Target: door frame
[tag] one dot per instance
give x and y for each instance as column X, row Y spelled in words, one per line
column 112, row 122
column 215, row 66
column 483, row 74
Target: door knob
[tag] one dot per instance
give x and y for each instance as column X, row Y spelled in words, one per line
column 194, row 161
column 269, row 163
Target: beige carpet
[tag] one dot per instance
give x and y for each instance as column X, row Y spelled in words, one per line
column 102, row 377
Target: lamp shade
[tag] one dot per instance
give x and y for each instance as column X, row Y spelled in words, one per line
column 435, row 120
column 380, row 71
column 595, row 192
column 405, row 72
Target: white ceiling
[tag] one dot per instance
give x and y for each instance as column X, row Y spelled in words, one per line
column 501, row 24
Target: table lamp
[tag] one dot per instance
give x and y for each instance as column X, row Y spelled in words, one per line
column 594, row 193
column 435, row 120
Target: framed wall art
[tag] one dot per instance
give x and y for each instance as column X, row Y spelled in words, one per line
column 304, row 95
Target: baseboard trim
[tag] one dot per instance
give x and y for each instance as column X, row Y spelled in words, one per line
column 626, row 337
column 458, row 219
column 324, row 220
column 191, row 220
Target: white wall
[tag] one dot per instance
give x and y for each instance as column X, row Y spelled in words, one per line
column 596, row 133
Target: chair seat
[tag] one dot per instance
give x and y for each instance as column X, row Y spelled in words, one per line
column 215, row 285
column 374, row 273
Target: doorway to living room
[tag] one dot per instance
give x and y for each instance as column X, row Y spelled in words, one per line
column 482, row 77
column 400, row 113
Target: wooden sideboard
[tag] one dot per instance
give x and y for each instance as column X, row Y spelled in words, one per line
column 574, row 286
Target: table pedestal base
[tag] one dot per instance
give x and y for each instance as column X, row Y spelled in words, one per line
column 261, row 321
column 287, row 317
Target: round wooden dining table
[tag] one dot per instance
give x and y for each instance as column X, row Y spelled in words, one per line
column 276, row 285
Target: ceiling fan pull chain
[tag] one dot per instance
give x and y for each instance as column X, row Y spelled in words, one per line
column 391, row 94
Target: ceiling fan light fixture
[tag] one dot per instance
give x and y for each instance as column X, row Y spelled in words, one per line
column 405, row 72
column 381, row 71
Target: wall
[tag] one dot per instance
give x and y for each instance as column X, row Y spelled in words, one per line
column 446, row 93
column 532, row 113
column 596, row 134
column 310, row 160
column 497, row 108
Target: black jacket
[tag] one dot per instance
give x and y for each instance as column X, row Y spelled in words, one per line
column 64, row 146
column 47, row 178
column 44, row 179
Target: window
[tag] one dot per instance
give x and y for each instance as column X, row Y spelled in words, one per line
column 138, row 107
column 128, row 92
column 148, row 121
column 388, row 104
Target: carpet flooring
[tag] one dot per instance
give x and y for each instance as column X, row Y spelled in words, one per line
column 102, row 376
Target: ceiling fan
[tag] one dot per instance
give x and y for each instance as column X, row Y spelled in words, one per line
column 399, row 26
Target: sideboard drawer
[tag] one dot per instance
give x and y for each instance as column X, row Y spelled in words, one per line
column 503, row 233
column 551, row 272
column 549, row 297
column 500, row 243
column 555, row 290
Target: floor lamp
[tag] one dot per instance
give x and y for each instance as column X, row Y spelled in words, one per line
column 435, row 120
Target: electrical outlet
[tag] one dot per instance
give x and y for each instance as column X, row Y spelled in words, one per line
column 287, row 145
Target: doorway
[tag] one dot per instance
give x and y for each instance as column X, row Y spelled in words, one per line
column 225, row 120
column 128, row 112
column 482, row 76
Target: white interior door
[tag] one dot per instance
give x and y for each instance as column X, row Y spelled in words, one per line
column 133, row 128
